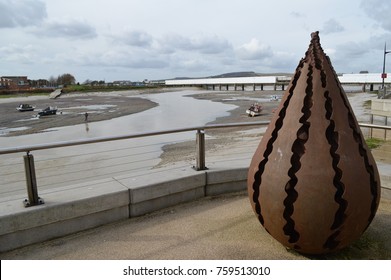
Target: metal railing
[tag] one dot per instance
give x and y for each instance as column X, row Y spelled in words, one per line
column 29, row 165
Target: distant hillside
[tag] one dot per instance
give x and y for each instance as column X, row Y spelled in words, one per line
column 237, row 75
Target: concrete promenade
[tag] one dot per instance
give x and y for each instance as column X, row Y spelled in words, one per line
column 222, row 227
column 209, row 218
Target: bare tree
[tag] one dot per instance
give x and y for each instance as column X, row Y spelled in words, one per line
column 66, row 79
column 52, row 81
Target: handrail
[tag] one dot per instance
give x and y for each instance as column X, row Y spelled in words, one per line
column 375, row 126
column 32, row 189
column 30, row 148
column 144, row 134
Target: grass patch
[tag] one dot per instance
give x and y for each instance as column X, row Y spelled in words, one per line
column 374, row 143
column 24, row 94
column 367, row 104
column 88, row 88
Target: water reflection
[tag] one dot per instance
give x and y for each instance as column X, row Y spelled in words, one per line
column 66, row 166
column 175, row 110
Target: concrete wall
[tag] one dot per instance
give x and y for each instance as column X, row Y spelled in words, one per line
column 84, row 206
column 381, row 107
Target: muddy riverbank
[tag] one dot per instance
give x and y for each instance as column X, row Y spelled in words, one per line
column 105, row 106
column 71, row 111
column 222, row 140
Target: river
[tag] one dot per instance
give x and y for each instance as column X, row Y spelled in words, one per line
column 71, row 165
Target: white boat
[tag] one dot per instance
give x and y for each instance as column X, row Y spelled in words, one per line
column 274, row 98
column 25, row 107
column 254, row 110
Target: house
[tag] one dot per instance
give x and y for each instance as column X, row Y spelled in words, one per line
column 5, row 83
column 14, row 82
column 122, row 83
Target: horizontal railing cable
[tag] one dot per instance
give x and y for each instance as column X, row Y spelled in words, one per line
column 130, row 158
column 122, row 137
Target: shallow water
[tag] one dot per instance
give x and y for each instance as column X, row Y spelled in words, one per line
column 175, row 110
column 6, row 130
column 67, row 166
column 70, row 165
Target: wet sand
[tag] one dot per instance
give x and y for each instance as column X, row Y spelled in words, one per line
column 104, row 106
column 71, row 110
column 232, row 138
column 227, row 138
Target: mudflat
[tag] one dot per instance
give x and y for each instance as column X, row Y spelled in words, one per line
column 71, row 110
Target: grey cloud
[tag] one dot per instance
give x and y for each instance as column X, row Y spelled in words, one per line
column 24, row 54
column 204, row 45
column 146, row 63
column 139, row 59
column 172, row 43
column 71, row 29
column 254, row 50
column 332, row 26
column 371, row 44
column 135, row 38
column 14, row 13
column 297, row 15
column 140, row 39
column 349, row 56
column 379, row 10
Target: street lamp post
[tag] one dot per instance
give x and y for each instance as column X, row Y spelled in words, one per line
column 384, row 74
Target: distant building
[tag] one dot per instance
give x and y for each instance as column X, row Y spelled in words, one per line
column 122, row 83
column 40, row 83
column 157, row 82
column 14, row 82
column 5, row 82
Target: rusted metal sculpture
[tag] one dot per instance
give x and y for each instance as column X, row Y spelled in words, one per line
column 313, row 182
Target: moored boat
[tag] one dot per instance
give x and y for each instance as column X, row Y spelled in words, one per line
column 48, row 111
column 254, row 110
column 25, row 107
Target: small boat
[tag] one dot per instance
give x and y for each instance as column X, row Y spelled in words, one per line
column 25, row 107
column 48, row 111
column 274, row 98
column 254, row 110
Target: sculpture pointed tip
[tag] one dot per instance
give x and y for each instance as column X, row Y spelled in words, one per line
column 315, row 35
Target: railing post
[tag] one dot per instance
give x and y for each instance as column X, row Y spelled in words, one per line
column 370, row 130
column 31, row 181
column 200, row 151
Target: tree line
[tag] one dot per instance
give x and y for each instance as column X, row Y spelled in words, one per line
column 61, row 80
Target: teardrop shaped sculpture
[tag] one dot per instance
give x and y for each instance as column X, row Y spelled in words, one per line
column 313, row 182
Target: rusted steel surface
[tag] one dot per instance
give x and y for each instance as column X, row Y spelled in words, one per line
column 313, row 182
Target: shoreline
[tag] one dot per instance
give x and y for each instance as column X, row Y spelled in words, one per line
column 229, row 140
column 71, row 110
column 72, row 107
column 130, row 102
column 222, row 140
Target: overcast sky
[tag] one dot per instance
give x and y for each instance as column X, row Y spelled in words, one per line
column 159, row 39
